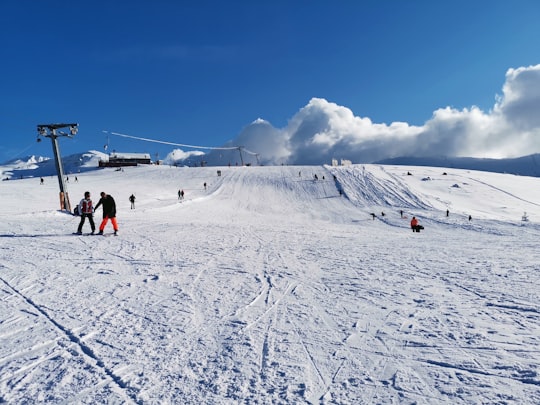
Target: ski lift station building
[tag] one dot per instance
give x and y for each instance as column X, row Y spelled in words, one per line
column 126, row 159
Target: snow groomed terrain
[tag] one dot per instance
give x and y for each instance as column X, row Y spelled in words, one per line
column 272, row 287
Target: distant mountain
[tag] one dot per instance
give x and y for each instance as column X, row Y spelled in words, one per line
column 35, row 166
column 27, row 162
column 523, row 166
column 32, row 166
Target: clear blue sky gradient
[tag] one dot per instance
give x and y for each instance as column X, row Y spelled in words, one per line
column 198, row 72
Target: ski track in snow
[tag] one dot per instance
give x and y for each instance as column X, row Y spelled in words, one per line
column 270, row 287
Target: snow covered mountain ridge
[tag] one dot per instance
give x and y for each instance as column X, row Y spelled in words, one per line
column 33, row 166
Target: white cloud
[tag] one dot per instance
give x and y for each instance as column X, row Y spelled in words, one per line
column 520, row 103
column 259, row 137
column 179, row 155
column 323, row 130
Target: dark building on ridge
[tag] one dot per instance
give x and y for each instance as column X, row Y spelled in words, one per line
column 126, row 159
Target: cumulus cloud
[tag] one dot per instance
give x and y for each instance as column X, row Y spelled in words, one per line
column 261, row 136
column 520, row 103
column 260, row 142
column 323, row 130
column 178, row 155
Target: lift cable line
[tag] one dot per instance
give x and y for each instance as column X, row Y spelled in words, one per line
column 238, row 148
column 20, row 153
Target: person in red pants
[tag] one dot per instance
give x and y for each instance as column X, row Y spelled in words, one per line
column 109, row 212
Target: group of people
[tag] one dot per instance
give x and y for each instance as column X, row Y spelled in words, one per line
column 86, row 210
column 181, row 191
column 415, row 225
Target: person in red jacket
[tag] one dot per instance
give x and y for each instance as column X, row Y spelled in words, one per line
column 415, row 226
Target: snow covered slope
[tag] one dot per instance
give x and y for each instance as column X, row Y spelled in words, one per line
column 269, row 286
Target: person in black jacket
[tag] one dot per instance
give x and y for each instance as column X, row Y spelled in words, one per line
column 109, row 212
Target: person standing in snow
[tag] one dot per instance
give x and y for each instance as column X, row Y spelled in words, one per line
column 132, row 201
column 86, row 211
column 109, row 212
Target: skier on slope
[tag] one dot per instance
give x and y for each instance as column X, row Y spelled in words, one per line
column 86, row 211
column 109, row 212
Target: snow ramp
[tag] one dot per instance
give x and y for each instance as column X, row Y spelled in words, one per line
column 337, row 194
column 354, row 193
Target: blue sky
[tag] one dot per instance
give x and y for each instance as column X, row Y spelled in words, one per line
column 200, row 72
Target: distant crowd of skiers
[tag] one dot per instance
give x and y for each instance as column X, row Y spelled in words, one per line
column 415, row 224
column 86, row 210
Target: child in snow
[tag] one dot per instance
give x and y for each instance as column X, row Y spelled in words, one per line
column 86, row 211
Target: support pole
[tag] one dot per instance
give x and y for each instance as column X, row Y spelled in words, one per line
column 50, row 131
column 241, row 157
column 64, row 197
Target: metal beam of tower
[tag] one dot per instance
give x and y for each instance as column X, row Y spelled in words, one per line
column 51, row 131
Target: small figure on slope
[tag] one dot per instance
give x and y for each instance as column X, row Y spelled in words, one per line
column 415, row 226
column 132, row 201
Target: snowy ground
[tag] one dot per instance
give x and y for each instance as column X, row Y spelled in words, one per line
column 271, row 288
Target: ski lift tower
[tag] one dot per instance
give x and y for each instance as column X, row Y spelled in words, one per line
column 241, row 157
column 51, row 131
